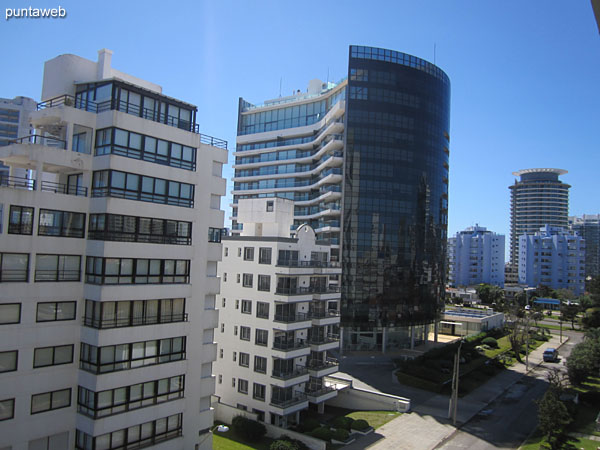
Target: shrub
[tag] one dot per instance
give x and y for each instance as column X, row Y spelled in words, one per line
column 343, row 422
column 309, row 424
column 490, row 341
column 340, row 435
column 360, row 425
column 323, row 433
column 249, row 429
column 287, row 443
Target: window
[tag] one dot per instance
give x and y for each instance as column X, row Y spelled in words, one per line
column 260, row 414
column 221, row 353
column 264, row 255
column 222, row 328
column 10, row 313
column 214, row 235
column 235, row 330
column 264, row 283
column 245, row 333
column 50, row 400
column 14, row 267
column 237, row 304
column 220, row 379
column 224, row 277
column 233, row 382
column 116, row 227
column 128, row 398
column 7, row 409
column 247, row 280
column 136, row 271
column 248, row 253
column 262, row 310
column 270, row 206
column 244, row 359
column 234, row 356
column 243, row 386
column 138, row 146
column 61, row 223
column 9, row 361
column 114, row 183
column 52, row 356
column 242, row 407
column 136, row 436
column 262, row 337
column 55, row 311
column 260, row 364
column 113, row 358
column 131, row 313
column 20, row 220
column 223, row 302
column 238, row 277
column 246, row 307
column 259, row 391
column 57, row 267
column 240, row 251
column 58, row 441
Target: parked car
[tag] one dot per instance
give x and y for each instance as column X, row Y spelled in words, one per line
column 550, row 355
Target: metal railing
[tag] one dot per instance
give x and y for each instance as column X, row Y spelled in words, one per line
column 307, row 290
column 121, row 236
column 133, row 109
column 297, row 263
column 133, row 321
column 323, row 314
column 298, row 397
column 290, row 345
column 36, row 139
column 320, row 391
column 57, row 275
column 288, row 374
column 290, row 318
column 318, row 364
column 15, row 275
column 326, row 339
column 61, row 188
column 17, row 182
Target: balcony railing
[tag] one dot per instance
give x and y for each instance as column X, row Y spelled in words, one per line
column 287, row 346
column 307, row 290
column 60, row 188
column 327, row 339
column 133, row 321
column 289, row 374
column 318, row 364
column 317, row 392
column 133, row 109
column 41, row 140
column 291, row 318
column 324, row 314
column 298, row 397
column 17, row 182
column 57, row 275
column 296, row 263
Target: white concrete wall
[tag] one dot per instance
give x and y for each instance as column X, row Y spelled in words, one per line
column 362, row 399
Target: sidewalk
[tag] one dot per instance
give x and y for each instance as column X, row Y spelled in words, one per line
column 428, row 424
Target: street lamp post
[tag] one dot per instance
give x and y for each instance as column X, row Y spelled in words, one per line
column 453, row 406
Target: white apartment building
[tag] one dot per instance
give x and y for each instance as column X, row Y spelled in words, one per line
column 475, row 256
column 278, row 314
column 108, row 267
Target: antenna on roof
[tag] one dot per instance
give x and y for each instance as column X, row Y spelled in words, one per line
column 280, row 81
column 434, row 53
column 327, row 75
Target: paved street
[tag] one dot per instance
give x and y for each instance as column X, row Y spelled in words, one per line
column 499, row 414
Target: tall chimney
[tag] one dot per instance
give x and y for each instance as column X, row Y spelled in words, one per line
column 103, row 66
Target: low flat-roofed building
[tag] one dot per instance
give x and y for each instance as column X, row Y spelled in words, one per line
column 466, row 322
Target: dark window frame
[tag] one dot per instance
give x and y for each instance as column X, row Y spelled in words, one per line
column 50, row 408
column 94, row 313
column 20, row 311
column 260, row 307
column 16, row 353
column 12, row 416
column 53, row 347
column 262, row 255
column 138, row 272
column 4, row 272
column 61, row 275
column 55, row 311
column 20, row 227
column 245, row 333
column 262, row 285
column 62, row 230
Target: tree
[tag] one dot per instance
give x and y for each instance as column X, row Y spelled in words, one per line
column 594, row 291
column 564, row 294
column 591, row 319
column 489, row 293
column 553, row 414
column 568, row 312
column 583, row 361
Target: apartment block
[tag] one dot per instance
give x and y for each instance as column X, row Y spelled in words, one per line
column 588, row 227
column 278, row 315
column 108, row 267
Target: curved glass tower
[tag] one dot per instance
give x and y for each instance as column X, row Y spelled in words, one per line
column 366, row 162
column 395, row 199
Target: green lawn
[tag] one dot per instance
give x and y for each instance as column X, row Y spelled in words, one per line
column 231, row 441
column 535, row 442
column 375, row 418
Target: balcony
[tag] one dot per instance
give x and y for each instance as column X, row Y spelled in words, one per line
column 299, row 371
column 303, row 290
column 133, row 109
column 322, row 343
column 103, row 324
column 287, row 346
column 324, row 317
column 319, row 368
column 309, row 264
column 322, row 394
column 17, row 182
column 288, row 405
column 60, row 188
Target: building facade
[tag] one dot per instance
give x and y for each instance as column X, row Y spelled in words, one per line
column 14, row 123
column 109, row 267
column 279, row 315
column 538, row 198
column 588, row 227
column 476, row 256
column 552, row 257
column 366, row 163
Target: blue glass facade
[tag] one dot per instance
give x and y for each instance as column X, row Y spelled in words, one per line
column 395, row 198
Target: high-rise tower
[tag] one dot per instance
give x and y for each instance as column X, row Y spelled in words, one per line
column 539, row 198
column 366, row 163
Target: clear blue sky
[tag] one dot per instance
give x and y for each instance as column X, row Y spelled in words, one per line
column 525, row 74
